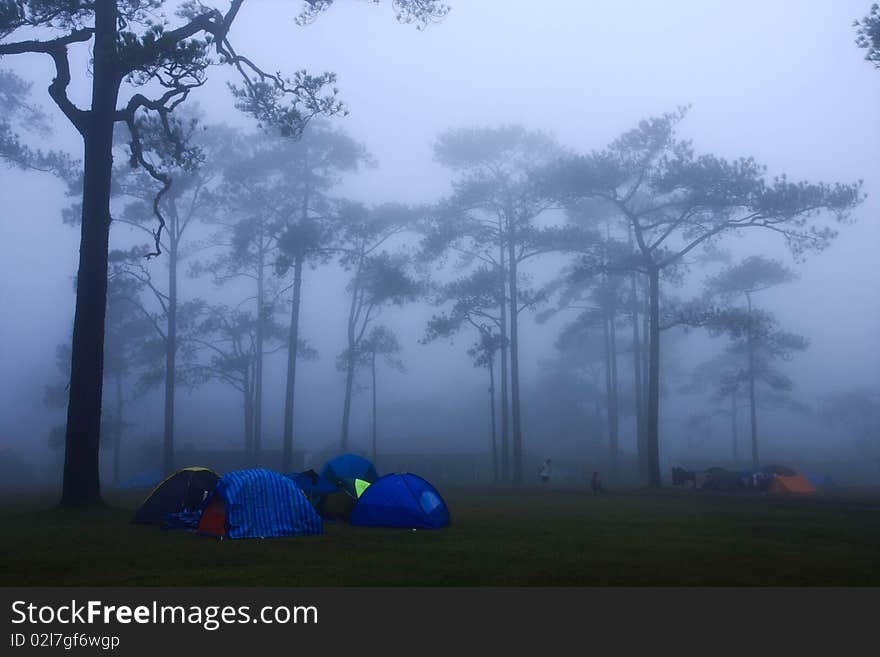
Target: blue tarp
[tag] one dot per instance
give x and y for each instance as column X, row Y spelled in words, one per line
column 261, row 504
column 401, row 500
column 187, row 520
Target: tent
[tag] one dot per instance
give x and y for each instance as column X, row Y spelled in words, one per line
column 330, row 499
column 721, row 479
column 820, row 480
column 258, row 504
column 185, row 490
column 798, row 484
column 401, row 500
column 319, row 490
column 313, row 485
column 354, row 473
column 338, row 505
column 680, row 476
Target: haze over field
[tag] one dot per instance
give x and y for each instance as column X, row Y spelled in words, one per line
column 781, row 82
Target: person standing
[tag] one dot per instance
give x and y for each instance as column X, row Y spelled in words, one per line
column 544, row 473
column 596, row 483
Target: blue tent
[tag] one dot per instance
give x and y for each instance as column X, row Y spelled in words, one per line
column 820, row 480
column 258, row 504
column 313, row 485
column 346, row 468
column 401, row 500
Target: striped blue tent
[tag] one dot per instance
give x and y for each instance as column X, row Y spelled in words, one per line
column 258, row 504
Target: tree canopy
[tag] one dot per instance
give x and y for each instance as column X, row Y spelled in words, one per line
column 868, row 35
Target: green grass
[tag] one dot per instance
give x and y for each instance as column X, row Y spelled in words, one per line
column 531, row 538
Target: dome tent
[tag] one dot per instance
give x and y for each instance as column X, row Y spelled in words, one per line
column 820, row 480
column 337, row 505
column 258, row 504
column 401, row 500
column 185, row 490
column 313, row 485
column 794, row 484
column 330, row 500
column 351, row 472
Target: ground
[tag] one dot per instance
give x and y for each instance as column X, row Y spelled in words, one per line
column 530, row 538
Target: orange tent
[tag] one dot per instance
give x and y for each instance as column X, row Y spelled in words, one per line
column 791, row 484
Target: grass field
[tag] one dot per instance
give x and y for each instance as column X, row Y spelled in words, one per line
column 531, row 538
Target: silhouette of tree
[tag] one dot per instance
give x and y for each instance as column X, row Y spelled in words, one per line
column 675, row 201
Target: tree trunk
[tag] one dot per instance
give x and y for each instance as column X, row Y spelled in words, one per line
column 117, row 429
column 346, row 408
column 733, row 426
column 293, row 336
column 637, row 383
column 349, row 364
column 373, row 374
column 505, row 408
column 292, row 347
column 248, row 422
column 606, row 348
column 491, row 368
column 653, row 438
column 613, row 406
column 753, row 410
column 514, row 361
column 258, row 370
column 82, row 481
column 615, row 394
column 646, row 334
column 170, row 355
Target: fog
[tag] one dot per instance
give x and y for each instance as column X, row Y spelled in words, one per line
column 782, row 82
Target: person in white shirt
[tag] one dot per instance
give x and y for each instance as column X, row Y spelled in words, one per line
column 544, row 473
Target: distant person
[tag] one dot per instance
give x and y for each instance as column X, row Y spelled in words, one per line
column 544, row 473
column 596, row 484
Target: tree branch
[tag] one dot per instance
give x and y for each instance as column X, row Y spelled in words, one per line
column 57, row 49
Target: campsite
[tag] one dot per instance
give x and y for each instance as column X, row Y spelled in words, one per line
column 496, row 538
column 346, row 524
column 439, row 293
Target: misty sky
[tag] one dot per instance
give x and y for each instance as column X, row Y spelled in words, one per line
column 781, row 81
